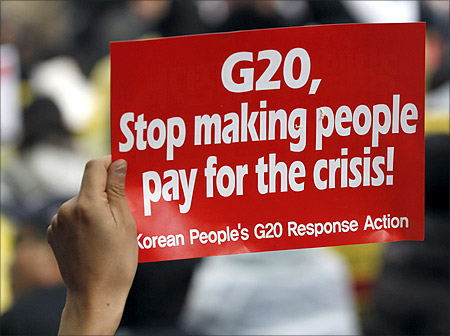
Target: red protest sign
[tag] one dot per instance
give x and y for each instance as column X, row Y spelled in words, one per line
column 272, row 139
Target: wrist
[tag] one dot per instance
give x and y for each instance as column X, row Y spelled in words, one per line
column 85, row 315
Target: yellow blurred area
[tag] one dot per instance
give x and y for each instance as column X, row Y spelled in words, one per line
column 437, row 123
column 7, row 254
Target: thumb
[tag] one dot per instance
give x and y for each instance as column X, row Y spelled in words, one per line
column 115, row 189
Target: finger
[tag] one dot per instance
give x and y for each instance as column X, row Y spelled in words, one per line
column 94, row 177
column 115, row 189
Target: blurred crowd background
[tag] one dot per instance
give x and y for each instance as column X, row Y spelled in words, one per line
column 55, row 116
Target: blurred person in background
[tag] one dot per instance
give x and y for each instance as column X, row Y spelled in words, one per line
column 92, row 25
column 412, row 293
column 37, row 286
column 298, row 292
column 37, row 28
column 156, row 298
column 47, row 165
column 250, row 14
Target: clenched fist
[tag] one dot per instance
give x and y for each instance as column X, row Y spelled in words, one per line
column 93, row 237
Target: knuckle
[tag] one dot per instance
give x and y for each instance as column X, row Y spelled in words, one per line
column 64, row 213
column 53, row 224
column 91, row 163
column 54, row 220
column 83, row 209
column 50, row 234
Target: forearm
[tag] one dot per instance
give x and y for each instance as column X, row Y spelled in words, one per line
column 100, row 316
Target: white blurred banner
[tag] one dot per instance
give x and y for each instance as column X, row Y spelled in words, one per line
column 10, row 94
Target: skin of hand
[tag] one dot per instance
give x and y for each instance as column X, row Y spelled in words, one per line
column 93, row 237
